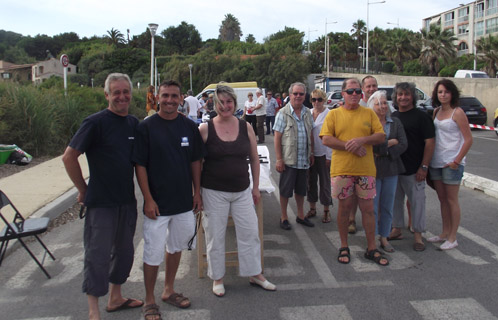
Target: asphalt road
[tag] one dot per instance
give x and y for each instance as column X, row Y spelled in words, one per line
column 456, row 284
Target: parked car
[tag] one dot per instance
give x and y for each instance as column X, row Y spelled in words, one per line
column 426, row 106
column 333, row 98
column 474, row 110
column 470, row 74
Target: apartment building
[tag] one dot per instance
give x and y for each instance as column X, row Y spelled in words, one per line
column 469, row 22
column 52, row 67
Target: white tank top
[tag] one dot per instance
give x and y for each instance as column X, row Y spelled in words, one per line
column 449, row 141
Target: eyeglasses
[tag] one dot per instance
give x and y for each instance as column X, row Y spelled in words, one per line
column 316, row 99
column 351, row 91
column 298, row 94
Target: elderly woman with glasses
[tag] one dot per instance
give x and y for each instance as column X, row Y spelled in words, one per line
column 320, row 170
column 388, row 164
column 226, row 189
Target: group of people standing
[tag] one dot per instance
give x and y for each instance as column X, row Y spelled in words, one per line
column 378, row 161
column 359, row 155
column 262, row 111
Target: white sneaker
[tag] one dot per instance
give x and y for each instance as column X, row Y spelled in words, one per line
column 267, row 285
column 449, row 245
column 436, row 239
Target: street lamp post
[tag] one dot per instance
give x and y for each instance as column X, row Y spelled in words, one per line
column 326, row 56
column 309, row 31
column 368, row 5
column 190, row 68
column 152, row 29
column 362, row 54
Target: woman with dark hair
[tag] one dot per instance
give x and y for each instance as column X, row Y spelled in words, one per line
column 226, row 189
column 453, row 141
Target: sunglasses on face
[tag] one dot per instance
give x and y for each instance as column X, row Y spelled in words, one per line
column 298, row 94
column 316, row 99
column 351, row 91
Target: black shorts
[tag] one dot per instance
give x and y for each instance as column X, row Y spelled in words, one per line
column 293, row 180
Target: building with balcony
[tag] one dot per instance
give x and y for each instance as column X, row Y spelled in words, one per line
column 469, row 22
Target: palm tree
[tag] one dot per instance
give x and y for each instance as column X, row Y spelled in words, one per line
column 115, row 37
column 400, row 47
column 230, row 29
column 437, row 44
column 488, row 49
column 359, row 31
column 376, row 42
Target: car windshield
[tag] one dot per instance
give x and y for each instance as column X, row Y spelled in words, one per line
column 469, row 102
column 479, row 75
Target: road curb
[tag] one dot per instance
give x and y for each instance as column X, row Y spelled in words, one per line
column 478, row 183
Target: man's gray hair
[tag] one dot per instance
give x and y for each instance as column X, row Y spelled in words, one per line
column 407, row 87
column 190, row 92
column 345, row 83
column 375, row 98
column 115, row 77
column 299, row 84
column 258, row 90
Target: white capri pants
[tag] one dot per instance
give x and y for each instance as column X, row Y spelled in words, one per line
column 217, row 206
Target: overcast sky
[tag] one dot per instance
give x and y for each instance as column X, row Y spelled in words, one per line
column 260, row 18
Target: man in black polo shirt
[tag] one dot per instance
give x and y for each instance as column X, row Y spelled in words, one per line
column 106, row 138
column 168, row 152
column 420, row 133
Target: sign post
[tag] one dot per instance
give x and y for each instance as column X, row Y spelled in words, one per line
column 65, row 63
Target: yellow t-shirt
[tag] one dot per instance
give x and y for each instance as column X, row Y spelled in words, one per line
column 345, row 125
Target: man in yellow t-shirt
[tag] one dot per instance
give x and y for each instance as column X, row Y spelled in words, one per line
column 350, row 131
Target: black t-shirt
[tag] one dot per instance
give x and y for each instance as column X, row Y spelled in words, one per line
column 418, row 127
column 166, row 148
column 107, row 140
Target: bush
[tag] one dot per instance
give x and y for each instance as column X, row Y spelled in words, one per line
column 388, row 67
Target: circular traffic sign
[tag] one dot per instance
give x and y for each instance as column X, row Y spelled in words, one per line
column 65, row 60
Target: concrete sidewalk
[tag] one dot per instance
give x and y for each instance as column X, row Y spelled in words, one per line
column 42, row 190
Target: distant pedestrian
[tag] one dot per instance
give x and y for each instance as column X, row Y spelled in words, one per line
column 249, row 115
column 260, row 112
column 271, row 107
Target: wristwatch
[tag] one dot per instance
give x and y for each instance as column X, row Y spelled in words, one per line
column 424, row 167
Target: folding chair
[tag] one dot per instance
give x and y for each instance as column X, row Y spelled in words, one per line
column 20, row 228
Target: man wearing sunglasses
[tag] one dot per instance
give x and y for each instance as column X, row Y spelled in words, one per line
column 294, row 152
column 368, row 86
column 350, row 131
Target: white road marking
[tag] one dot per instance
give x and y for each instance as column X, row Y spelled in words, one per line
column 480, row 241
column 454, row 309
column 50, row 318
column 279, row 239
column 339, row 312
column 357, row 263
column 458, row 255
column 137, row 274
column 72, row 268
column 309, row 248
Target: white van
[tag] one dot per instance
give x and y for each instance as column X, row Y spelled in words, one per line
column 241, row 90
column 470, row 74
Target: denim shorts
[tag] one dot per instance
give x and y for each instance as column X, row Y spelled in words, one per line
column 447, row 175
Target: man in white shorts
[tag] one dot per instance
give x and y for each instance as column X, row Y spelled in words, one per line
column 167, row 156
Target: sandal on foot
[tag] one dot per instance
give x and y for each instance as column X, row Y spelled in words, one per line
column 326, row 216
column 387, row 248
column 126, row 305
column 151, row 312
column 178, row 300
column 267, row 285
column 376, row 256
column 311, row 213
column 344, row 253
column 352, row 227
column 399, row 236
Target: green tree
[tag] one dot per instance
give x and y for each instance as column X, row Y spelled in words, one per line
column 281, row 41
column 359, row 31
column 488, row 53
column 230, row 29
column 437, row 44
column 400, row 47
column 250, row 38
column 377, row 38
column 184, row 39
column 115, row 37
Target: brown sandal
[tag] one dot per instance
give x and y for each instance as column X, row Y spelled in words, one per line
column 151, row 312
column 326, row 216
column 311, row 213
column 178, row 300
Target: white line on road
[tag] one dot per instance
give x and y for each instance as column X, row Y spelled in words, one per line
column 455, row 309
column 480, row 241
column 309, row 248
column 201, row 314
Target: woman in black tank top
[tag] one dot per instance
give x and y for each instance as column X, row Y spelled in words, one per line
column 226, row 189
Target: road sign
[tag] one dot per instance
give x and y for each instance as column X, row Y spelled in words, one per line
column 65, row 60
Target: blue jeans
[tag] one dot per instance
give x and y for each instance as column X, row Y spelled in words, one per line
column 386, row 189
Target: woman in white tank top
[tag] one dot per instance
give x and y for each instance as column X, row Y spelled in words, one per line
column 453, row 141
